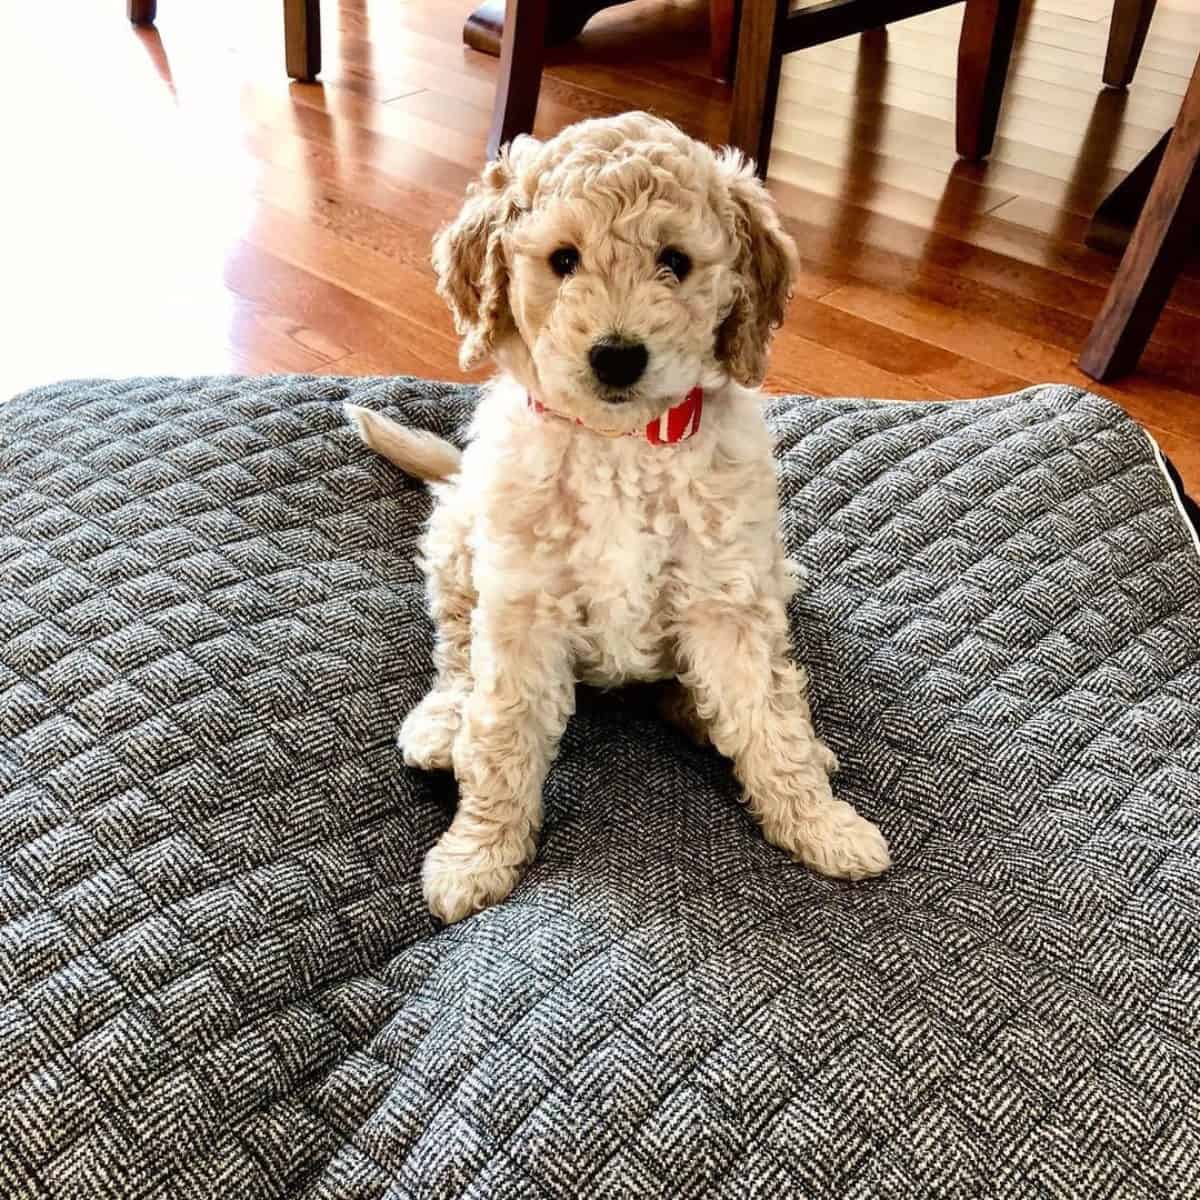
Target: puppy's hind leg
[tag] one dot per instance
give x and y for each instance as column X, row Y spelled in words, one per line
column 427, row 734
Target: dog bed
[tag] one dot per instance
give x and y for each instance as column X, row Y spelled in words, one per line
column 217, row 974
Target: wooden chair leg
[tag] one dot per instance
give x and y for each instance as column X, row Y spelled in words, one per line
column 141, row 12
column 722, row 26
column 756, row 78
column 1155, row 254
column 984, row 49
column 522, row 54
column 302, row 38
column 1126, row 37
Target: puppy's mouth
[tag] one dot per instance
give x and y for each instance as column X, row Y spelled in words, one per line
column 611, row 395
column 618, row 396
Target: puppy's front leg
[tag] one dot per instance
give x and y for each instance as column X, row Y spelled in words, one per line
column 738, row 667
column 523, row 692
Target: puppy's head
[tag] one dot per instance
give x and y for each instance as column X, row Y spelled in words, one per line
column 615, row 267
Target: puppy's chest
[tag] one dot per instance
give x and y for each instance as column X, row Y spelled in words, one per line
column 621, row 565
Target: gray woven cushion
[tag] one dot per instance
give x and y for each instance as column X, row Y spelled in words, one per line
column 217, row 976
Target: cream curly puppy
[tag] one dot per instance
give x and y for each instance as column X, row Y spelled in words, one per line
column 614, row 516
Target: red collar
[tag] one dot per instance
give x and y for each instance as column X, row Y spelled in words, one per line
column 675, row 425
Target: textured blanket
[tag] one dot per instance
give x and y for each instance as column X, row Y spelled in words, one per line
column 217, row 975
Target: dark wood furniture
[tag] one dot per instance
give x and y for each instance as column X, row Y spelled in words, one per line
column 565, row 19
column 722, row 36
column 1113, row 221
column 301, row 33
column 769, row 31
column 1155, row 255
column 522, row 56
column 1126, row 37
column 302, row 38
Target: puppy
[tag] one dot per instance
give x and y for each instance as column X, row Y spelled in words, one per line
column 614, row 517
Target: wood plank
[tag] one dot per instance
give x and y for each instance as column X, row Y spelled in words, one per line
column 830, row 138
column 1005, row 349
column 952, row 234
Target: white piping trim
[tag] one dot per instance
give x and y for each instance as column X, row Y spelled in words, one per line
column 1162, row 466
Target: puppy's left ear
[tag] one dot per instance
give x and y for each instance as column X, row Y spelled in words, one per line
column 766, row 263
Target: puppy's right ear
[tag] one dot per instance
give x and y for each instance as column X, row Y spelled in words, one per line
column 468, row 256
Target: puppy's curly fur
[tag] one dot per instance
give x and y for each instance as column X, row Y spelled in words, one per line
column 556, row 553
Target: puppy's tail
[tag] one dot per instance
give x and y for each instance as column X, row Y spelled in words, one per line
column 422, row 454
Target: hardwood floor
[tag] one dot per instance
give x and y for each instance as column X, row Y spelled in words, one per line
column 173, row 205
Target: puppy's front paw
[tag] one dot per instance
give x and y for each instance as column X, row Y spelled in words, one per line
column 837, row 842
column 427, row 734
column 459, row 880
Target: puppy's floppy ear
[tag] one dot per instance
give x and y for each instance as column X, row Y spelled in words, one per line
column 766, row 262
column 468, row 256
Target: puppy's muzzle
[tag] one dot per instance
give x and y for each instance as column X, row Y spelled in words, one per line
column 618, row 363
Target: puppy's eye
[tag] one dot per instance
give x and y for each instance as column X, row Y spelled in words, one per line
column 676, row 262
column 564, row 261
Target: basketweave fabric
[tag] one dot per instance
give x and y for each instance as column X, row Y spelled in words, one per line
column 217, row 974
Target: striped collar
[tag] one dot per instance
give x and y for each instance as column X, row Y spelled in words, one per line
column 675, row 425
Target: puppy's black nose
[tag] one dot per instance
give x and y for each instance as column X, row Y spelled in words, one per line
column 617, row 363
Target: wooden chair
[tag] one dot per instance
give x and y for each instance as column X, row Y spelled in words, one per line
column 1152, row 261
column 769, row 31
column 301, row 33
